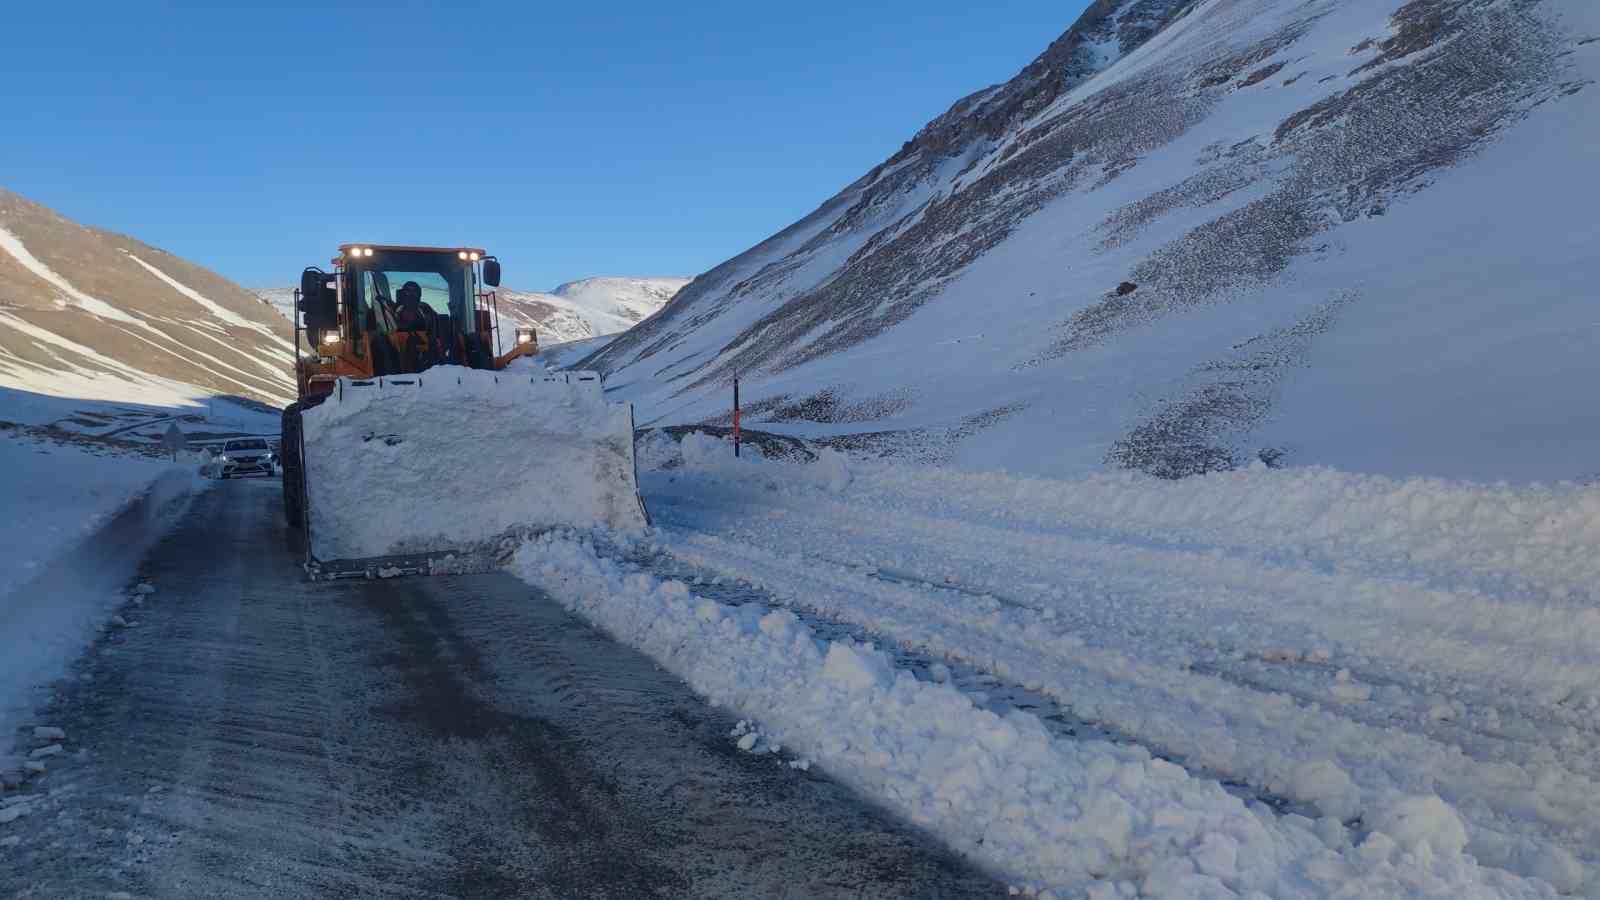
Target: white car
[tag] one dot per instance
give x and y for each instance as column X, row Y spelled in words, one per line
column 244, row 456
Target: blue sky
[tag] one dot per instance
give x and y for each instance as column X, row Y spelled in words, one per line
column 625, row 138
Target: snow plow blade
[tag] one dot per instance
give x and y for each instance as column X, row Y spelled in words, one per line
column 443, row 562
column 450, row 471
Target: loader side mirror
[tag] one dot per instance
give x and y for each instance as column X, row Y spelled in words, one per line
column 491, row 272
column 318, row 304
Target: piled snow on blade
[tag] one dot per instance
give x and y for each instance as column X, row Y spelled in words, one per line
column 459, row 459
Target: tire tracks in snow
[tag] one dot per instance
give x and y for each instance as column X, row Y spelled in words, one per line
column 988, row 691
column 1268, row 740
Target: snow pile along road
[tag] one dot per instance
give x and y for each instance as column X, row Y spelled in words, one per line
column 1327, row 639
column 457, row 458
column 78, row 518
column 1048, row 814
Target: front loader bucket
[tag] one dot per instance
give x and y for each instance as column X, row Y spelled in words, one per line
column 440, row 562
column 451, row 470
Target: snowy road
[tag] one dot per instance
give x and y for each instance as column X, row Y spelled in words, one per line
column 257, row 736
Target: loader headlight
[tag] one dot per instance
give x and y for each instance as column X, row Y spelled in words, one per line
column 524, row 336
column 461, row 254
column 472, row 256
column 329, row 338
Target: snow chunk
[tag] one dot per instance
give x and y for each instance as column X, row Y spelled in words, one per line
column 832, row 470
column 1347, row 690
column 1217, row 855
column 1330, row 787
column 1414, row 821
column 855, row 668
column 1564, row 872
column 48, row 733
column 704, row 451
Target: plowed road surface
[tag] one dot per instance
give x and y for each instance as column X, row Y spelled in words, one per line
column 256, row 735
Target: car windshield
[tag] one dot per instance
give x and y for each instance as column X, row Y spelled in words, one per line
column 245, row 445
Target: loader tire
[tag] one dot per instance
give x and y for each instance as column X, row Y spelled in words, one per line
column 293, row 468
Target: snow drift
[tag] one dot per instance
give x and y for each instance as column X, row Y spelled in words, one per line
column 455, row 459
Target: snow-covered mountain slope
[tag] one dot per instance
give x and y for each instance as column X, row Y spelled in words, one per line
column 593, row 307
column 575, row 311
column 92, row 314
column 1191, row 234
column 280, row 299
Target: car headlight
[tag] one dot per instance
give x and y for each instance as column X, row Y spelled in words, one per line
column 223, row 458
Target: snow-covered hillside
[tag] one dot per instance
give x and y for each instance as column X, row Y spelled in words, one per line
column 91, row 314
column 1193, row 234
column 280, row 299
column 575, row 311
column 593, row 307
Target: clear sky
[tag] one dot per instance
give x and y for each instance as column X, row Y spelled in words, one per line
column 572, row 139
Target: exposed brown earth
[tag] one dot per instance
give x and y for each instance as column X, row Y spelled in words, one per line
column 160, row 331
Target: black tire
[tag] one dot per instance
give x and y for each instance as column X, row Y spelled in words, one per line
column 293, row 476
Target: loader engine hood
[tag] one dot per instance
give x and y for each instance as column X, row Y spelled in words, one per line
column 459, row 459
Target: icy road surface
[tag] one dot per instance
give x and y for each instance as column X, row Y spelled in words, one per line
column 253, row 735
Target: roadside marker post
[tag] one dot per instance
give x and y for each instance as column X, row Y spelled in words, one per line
column 174, row 441
column 736, row 414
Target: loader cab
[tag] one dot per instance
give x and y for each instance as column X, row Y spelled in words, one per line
column 400, row 310
column 410, row 310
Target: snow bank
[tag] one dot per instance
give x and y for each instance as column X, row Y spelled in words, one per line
column 77, row 524
column 455, row 457
column 57, row 494
column 1541, row 534
column 1060, row 815
column 1328, row 638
